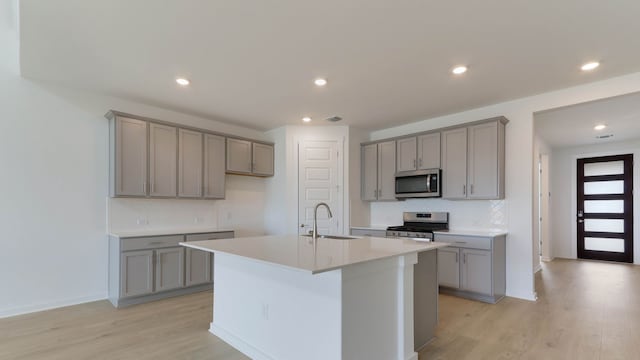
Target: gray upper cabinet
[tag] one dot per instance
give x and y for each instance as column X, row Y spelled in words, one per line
column 387, row 170
column 406, row 153
column 262, row 159
column 239, row 156
column 378, row 171
column 128, row 158
column 369, row 171
column 245, row 157
column 429, row 151
column 486, row 161
column 454, row 164
column 473, row 161
column 162, row 160
column 214, row 166
column 190, row 163
column 418, row 153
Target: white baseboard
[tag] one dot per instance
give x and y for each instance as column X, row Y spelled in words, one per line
column 27, row 309
column 529, row 296
column 238, row 343
column 546, row 259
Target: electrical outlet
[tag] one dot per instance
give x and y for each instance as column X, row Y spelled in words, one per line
column 198, row 219
column 142, row 221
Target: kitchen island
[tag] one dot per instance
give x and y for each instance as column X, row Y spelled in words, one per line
column 288, row 297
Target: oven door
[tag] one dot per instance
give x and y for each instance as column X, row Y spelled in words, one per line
column 418, row 184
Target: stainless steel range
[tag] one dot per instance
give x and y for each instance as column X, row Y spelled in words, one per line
column 420, row 225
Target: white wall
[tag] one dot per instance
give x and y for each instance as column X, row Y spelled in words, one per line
column 519, row 173
column 563, row 184
column 53, row 207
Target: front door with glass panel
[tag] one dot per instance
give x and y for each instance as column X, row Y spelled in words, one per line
column 605, row 208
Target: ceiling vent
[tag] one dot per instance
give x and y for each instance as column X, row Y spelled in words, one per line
column 604, row 136
column 334, row 119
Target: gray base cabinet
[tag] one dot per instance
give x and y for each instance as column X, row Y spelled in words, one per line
column 472, row 266
column 149, row 268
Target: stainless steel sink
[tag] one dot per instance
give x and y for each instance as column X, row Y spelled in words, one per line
column 336, row 237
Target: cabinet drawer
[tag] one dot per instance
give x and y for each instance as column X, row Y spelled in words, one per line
column 210, row 236
column 369, row 232
column 153, row 242
column 469, row 242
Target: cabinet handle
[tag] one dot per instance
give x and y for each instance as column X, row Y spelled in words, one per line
column 465, row 258
column 156, row 243
column 375, row 192
column 420, row 162
column 379, row 192
column 464, row 189
column 414, row 163
column 456, row 258
column 144, row 187
column 471, row 189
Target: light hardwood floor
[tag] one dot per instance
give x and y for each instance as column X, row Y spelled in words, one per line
column 585, row 310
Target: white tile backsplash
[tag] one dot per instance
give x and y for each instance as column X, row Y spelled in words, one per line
column 463, row 214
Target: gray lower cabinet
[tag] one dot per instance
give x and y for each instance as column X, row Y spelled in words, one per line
column 148, row 268
column 200, row 263
column 136, row 274
column 169, row 268
column 472, row 266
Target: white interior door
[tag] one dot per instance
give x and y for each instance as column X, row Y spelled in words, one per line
column 319, row 180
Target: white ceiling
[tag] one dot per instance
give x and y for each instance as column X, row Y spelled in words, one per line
column 252, row 62
column 573, row 125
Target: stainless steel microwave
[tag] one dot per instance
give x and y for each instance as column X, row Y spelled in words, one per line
column 418, row 184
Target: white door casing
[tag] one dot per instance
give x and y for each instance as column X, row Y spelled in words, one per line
column 320, row 180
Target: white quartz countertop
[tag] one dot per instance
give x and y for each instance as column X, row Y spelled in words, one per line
column 472, row 232
column 299, row 253
column 159, row 232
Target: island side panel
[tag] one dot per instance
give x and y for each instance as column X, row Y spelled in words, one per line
column 377, row 321
column 271, row 312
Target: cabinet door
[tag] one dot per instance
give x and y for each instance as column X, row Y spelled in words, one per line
column 387, row 170
column 406, row 158
column 454, row 164
column 369, row 172
column 162, row 160
column 476, row 271
column 198, row 267
column 189, row 163
column 136, row 273
column 429, row 151
column 483, row 161
column 262, row 159
column 214, row 172
column 169, row 268
column 238, row 156
column 130, row 154
column 449, row 267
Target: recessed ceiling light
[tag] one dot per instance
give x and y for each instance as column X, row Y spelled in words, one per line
column 459, row 70
column 590, row 66
column 183, row 81
column 320, row 82
column 600, row 127
column 306, row 119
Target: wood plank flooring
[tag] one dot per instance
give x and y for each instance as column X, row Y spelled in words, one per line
column 586, row 310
